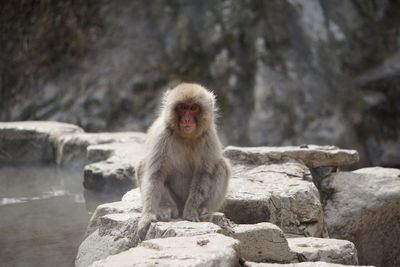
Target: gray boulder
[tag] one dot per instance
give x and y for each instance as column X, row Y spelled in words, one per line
column 72, row 148
column 180, row 228
column 324, row 249
column 301, row 264
column 204, row 250
column 278, row 193
column 114, row 151
column 363, row 207
column 116, row 171
column 31, row 141
column 131, row 203
column 115, row 233
column 311, row 155
column 262, row 242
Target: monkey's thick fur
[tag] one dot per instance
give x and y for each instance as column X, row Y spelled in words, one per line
column 182, row 174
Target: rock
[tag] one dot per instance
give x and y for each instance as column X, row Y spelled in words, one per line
column 110, row 208
column 224, row 223
column 96, row 247
column 116, row 172
column 276, row 193
column 116, row 233
column 120, row 225
column 301, row 264
column 205, row 250
column 71, row 148
column 181, row 228
column 363, row 207
column 311, row 155
column 131, row 150
column 133, row 196
column 31, row 141
column 109, row 233
column 324, row 249
column 262, row 242
column 109, row 176
column 380, row 119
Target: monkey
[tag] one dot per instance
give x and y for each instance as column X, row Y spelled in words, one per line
column 183, row 172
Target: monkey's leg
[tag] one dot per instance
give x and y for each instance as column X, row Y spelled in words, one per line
column 217, row 193
column 207, row 191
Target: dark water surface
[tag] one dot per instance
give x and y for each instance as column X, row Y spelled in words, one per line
column 43, row 215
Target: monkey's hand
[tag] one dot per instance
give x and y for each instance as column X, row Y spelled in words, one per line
column 190, row 214
column 144, row 224
column 168, row 212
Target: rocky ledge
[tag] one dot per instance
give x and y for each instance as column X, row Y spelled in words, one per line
column 273, row 212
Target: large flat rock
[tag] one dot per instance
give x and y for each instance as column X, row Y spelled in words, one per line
column 181, row 228
column 72, row 148
column 111, row 208
column 116, row 170
column 301, row 264
column 132, row 150
column 262, row 242
column 278, row 193
column 112, row 230
column 311, row 155
column 31, row 141
column 110, row 176
column 17, row 129
column 363, row 206
column 324, row 249
column 205, row 250
column 115, row 233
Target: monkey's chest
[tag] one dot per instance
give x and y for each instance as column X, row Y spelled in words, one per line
column 180, row 177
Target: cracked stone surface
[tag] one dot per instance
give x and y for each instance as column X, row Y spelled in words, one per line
column 311, row 155
column 131, row 150
column 204, row 250
column 278, row 193
column 324, row 249
column 301, row 264
column 262, row 242
column 363, row 206
column 72, row 148
column 31, row 141
column 258, row 242
column 127, row 205
column 117, row 168
column 180, row 228
column 115, row 233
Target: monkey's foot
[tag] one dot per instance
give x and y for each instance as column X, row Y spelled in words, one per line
column 167, row 213
column 191, row 215
column 144, row 224
column 205, row 215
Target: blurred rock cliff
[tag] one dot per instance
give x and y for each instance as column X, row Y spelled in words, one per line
column 286, row 72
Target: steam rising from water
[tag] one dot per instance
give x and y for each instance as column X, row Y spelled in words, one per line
column 44, row 214
column 77, row 198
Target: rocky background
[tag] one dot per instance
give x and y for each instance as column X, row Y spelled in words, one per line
column 286, row 204
column 285, row 71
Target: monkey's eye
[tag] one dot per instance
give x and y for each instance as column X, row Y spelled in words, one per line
column 183, row 107
column 195, row 108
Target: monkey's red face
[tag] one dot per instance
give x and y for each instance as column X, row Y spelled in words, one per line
column 188, row 116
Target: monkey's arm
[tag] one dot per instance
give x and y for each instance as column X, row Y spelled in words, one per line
column 152, row 185
column 151, row 188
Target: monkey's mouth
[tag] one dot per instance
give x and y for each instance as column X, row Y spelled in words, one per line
column 188, row 127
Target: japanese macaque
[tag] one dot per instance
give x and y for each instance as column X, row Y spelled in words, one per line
column 183, row 172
